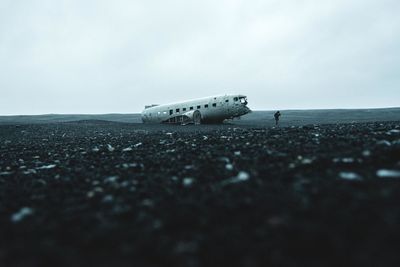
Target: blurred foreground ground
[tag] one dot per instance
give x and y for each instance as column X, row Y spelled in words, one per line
column 104, row 193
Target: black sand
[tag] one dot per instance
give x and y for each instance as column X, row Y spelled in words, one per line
column 98, row 193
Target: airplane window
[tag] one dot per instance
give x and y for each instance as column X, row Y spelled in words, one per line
column 171, row 111
column 227, row 100
column 191, row 108
column 159, row 113
column 235, row 99
column 215, row 104
column 184, row 109
column 164, row 112
column 198, row 107
column 206, row 105
column 177, row 110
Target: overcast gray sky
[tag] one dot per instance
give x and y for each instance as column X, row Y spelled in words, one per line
column 59, row 56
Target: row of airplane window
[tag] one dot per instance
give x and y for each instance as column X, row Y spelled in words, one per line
column 171, row 111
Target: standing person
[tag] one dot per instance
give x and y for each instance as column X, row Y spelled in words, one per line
column 276, row 116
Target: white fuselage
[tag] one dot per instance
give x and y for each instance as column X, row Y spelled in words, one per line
column 212, row 109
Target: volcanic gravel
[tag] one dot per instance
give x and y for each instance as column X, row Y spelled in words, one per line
column 100, row 194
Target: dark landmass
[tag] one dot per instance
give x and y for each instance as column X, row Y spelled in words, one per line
column 256, row 118
column 98, row 193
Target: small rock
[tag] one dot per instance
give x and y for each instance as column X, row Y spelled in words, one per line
column 237, row 153
column 350, row 176
column 189, row 167
column 111, row 179
column 383, row 143
column 110, row 148
column 138, row 145
column 30, row 171
column 393, row 132
column 125, row 184
column 347, row 160
column 224, row 159
column 51, row 166
column 229, row 167
column 21, row 214
column 366, row 153
column 242, row 176
column 148, row 202
column 98, row 189
column 388, row 173
column 306, row 161
column 108, row 199
column 188, row 181
column 343, row 160
column 127, row 149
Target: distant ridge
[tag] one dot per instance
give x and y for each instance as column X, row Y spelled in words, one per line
column 257, row 118
column 56, row 118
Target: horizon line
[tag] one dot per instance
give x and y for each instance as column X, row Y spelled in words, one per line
column 255, row 110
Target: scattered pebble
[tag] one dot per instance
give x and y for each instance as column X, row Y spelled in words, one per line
column 30, row 171
column 111, row 179
column 138, row 145
column 127, row 149
column 224, row 159
column 98, row 189
column 229, row 167
column 148, row 202
column 384, row 173
column 396, row 142
column 306, row 161
column 110, row 148
column 241, row 177
column 343, row 160
column 21, row 214
column 350, row 176
column 187, row 181
column 366, row 153
column 383, row 143
column 107, row 199
column 46, row 167
column 393, row 132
